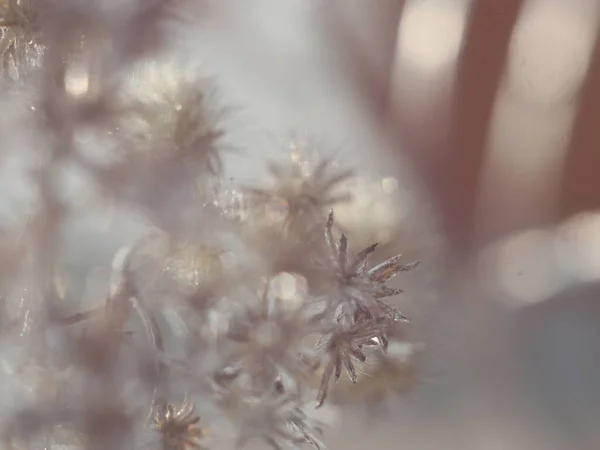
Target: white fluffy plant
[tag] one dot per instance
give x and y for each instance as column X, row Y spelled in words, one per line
column 203, row 334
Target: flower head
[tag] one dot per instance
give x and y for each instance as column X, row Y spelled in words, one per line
column 178, row 427
column 268, row 335
column 300, row 192
column 176, row 122
column 362, row 289
column 359, row 316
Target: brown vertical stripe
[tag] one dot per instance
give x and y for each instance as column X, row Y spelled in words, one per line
column 480, row 71
column 580, row 189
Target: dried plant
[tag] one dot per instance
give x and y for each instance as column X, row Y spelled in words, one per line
column 191, row 308
column 178, row 427
column 287, row 212
column 176, row 126
column 360, row 289
column 300, row 192
column 269, row 334
column 360, row 316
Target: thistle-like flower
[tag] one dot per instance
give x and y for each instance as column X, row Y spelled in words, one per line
column 300, row 194
column 360, row 316
column 178, row 125
column 361, row 289
column 178, row 427
column 268, row 336
column 173, row 142
column 278, row 419
column 289, row 209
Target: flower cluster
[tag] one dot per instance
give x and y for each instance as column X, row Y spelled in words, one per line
column 244, row 316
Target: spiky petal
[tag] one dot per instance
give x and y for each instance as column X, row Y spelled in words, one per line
column 343, row 347
column 360, row 315
column 360, row 288
column 302, row 195
column 389, row 269
column 178, row 427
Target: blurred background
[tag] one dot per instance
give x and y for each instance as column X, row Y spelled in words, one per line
column 483, row 114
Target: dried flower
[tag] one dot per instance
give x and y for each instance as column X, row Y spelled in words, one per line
column 269, row 334
column 177, row 124
column 361, row 289
column 360, row 317
column 300, row 195
column 178, row 427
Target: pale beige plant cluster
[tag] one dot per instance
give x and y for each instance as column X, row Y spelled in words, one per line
column 231, row 319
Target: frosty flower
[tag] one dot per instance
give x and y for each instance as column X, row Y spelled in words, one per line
column 361, row 289
column 176, row 121
column 343, row 346
column 269, row 335
column 286, row 213
column 179, row 428
column 300, row 194
column 278, row 419
column 172, row 138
